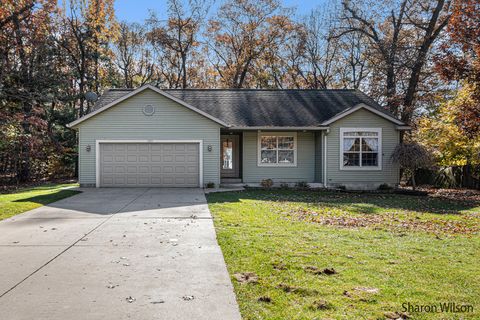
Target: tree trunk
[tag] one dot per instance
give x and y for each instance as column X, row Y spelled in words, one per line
column 414, row 184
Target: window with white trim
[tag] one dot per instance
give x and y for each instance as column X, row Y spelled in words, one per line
column 277, row 149
column 360, row 148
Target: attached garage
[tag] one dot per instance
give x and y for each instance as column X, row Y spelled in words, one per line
column 148, row 164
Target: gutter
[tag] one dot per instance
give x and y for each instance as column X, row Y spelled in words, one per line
column 279, row 128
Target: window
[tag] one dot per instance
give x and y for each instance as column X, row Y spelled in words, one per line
column 360, row 148
column 277, row 149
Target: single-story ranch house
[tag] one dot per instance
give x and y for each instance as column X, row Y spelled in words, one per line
column 150, row 137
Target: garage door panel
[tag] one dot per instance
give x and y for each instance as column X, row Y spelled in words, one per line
column 119, row 147
column 143, row 147
column 149, row 164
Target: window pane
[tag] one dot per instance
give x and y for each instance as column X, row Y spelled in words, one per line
column 351, row 144
column 369, row 159
column 360, row 133
column 351, row 134
column 285, row 143
column 268, row 156
column 227, row 147
column 351, row 159
column 285, row 156
column 369, row 133
column 269, row 142
column 370, row 144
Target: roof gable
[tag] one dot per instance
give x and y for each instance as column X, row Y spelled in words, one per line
column 366, row 107
column 114, row 102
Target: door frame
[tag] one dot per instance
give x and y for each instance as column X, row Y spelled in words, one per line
column 97, row 155
column 237, row 156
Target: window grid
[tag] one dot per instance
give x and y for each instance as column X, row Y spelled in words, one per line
column 361, row 135
column 278, row 149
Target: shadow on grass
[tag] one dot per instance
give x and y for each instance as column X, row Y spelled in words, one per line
column 367, row 203
column 50, row 197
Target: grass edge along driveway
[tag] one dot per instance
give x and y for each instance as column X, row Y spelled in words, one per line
column 378, row 245
column 26, row 199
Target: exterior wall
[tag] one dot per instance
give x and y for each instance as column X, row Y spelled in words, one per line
column 304, row 171
column 362, row 179
column 319, row 157
column 171, row 121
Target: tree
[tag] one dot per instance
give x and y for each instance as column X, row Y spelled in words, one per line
column 459, row 60
column 86, row 30
column 32, row 79
column 240, row 36
column 176, row 40
column 444, row 136
column 133, row 56
column 410, row 157
column 401, row 35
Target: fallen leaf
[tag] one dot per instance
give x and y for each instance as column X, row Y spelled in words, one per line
column 367, row 289
column 246, row 277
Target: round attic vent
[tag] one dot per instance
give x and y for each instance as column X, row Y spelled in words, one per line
column 148, row 110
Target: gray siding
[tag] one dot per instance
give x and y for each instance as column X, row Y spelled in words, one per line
column 318, row 157
column 390, row 138
column 304, row 171
column 171, row 121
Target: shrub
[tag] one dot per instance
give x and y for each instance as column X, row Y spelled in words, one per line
column 302, row 185
column 410, row 157
column 384, row 186
column 266, row 183
column 284, row 186
column 209, row 185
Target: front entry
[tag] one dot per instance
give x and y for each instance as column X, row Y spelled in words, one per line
column 230, row 156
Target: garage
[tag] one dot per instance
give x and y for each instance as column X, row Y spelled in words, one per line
column 148, row 164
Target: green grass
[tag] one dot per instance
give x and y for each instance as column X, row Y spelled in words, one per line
column 371, row 240
column 30, row 198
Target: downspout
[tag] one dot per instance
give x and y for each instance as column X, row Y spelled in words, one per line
column 325, row 157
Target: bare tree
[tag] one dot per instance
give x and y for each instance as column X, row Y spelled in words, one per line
column 176, row 39
column 242, row 35
column 133, row 56
column 401, row 34
column 321, row 51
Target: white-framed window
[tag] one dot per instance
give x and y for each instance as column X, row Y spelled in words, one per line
column 277, row 149
column 360, row 148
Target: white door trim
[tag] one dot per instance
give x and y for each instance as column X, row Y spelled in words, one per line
column 97, row 154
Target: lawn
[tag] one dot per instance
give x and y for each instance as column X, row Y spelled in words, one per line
column 385, row 250
column 30, row 198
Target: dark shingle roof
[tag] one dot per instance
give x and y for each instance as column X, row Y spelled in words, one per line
column 269, row 108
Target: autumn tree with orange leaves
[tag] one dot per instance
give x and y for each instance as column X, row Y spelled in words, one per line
column 459, row 60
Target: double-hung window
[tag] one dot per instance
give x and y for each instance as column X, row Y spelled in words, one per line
column 360, row 148
column 277, row 149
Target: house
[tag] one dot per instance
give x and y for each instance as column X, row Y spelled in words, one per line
column 189, row 138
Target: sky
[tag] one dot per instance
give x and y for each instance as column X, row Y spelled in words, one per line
column 137, row 10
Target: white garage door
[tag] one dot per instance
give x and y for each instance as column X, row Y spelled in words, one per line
column 149, row 165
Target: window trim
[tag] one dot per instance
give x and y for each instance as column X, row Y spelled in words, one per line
column 277, row 134
column 360, row 168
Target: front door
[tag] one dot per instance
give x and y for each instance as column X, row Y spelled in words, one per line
column 229, row 156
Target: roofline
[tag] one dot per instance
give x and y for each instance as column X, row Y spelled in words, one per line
column 279, row 128
column 404, row 128
column 364, row 106
column 138, row 90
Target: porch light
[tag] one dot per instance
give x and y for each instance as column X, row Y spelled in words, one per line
column 88, row 148
column 209, row 148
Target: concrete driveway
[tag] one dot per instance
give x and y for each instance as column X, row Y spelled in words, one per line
column 115, row 254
